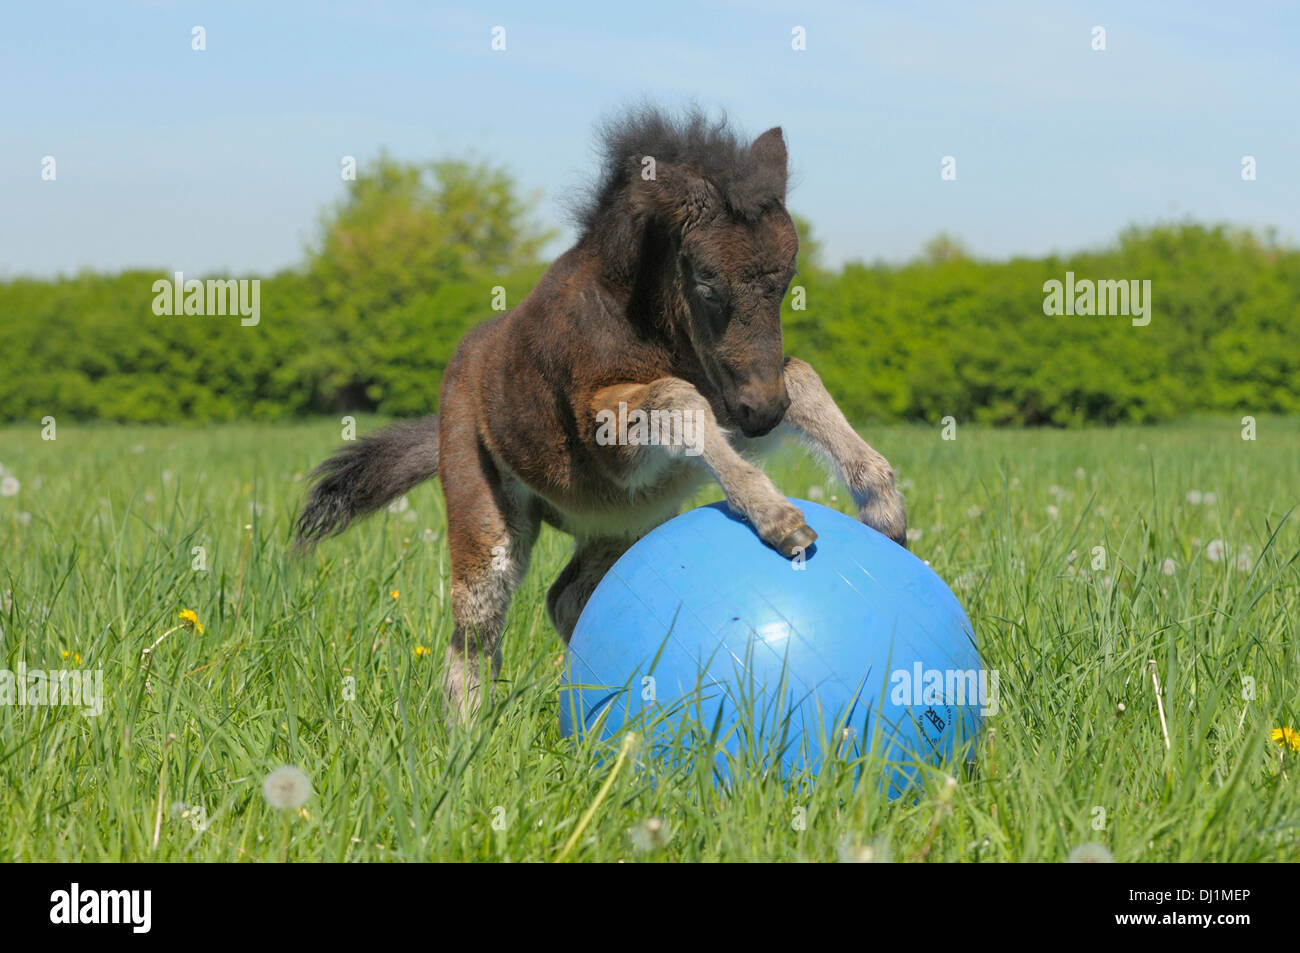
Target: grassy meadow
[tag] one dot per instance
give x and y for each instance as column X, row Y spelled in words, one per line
column 332, row 663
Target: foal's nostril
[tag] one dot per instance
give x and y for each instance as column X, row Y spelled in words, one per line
column 756, row 420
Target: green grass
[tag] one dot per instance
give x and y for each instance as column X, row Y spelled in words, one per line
column 96, row 560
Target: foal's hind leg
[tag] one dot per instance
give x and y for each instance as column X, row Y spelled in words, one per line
column 569, row 593
column 869, row 477
column 490, row 533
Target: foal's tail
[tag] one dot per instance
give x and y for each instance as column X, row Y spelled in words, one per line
column 359, row 479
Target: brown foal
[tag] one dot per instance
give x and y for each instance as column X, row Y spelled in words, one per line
column 666, row 312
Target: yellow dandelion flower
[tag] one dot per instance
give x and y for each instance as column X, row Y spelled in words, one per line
column 395, row 593
column 190, row 620
column 421, row 650
column 1287, row 738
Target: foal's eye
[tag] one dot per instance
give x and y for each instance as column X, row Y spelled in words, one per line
column 707, row 292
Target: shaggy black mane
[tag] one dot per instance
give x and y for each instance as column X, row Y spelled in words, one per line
column 710, row 148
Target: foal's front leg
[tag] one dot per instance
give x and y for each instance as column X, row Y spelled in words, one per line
column 778, row 522
column 869, row 477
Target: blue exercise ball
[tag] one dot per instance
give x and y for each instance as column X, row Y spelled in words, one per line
column 702, row 634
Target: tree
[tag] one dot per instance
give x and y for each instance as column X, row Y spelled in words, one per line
column 407, row 228
column 944, row 248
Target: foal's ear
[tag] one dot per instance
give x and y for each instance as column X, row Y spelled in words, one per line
column 767, row 156
column 768, row 150
column 674, row 194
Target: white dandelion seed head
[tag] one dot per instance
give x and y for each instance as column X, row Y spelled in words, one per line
column 1053, row 511
column 648, row 835
column 1080, row 474
column 1195, row 497
column 9, row 486
column 429, row 535
column 286, row 788
column 24, row 518
column 876, row 852
column 815, row 493
column 1090, row 854
column 1168, row 567
column 409, row 517
column 399, row 505
column 1209, row 499
column 1214, row 550
column 915, row 533
column 973, row 512
column 1245, row 559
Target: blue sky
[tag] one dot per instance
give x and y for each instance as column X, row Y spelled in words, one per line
column 222, row 160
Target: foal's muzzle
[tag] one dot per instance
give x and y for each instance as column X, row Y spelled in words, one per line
column 758, row 417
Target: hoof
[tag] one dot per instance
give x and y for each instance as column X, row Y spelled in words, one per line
column 797, row 542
